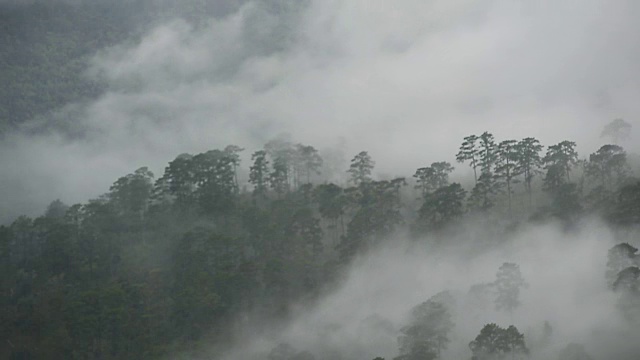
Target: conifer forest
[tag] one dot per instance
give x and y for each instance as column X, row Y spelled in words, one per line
column 311, row 180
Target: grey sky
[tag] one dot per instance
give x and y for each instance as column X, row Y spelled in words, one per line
column 405, row 80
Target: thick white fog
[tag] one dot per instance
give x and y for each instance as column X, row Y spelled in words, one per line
column 405, row 80
column 566, row 288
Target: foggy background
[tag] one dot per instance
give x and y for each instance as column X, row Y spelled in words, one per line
column 405, row 80
column 565, row 289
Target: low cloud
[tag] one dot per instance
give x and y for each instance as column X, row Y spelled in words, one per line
column 566, row 289
column 405, row 81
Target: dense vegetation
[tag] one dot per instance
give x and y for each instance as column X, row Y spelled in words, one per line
column 161, row 265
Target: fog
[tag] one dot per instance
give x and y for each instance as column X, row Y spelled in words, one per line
column 565, row 288
column 404, row 80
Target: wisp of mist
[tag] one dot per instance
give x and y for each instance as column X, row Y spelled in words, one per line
column 566, row 294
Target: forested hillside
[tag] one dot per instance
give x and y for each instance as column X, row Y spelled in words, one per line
column 506, row 247
column 184, row 261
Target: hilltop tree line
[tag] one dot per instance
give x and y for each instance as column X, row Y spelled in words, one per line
column 162, row 264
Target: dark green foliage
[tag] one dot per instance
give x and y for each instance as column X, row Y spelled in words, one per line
column 623, row 277
column 608, row 166
column 308, row 162
column 565, row 203
column 130, row 195
column 180, row 181
column 279, row 178
column 529, row 162
column 487, row 152
column 559, row 161
column 204, row 265
column 442, row 207
column 428, row 331
column 599, row 200
column 206, row 179
column 330, row 199
column 331, row 203
column 433, row 177
column 469, row 152
column 620, row 257
column 151, row 269
column 56, row 210
column 495, row 342
column 259, row 174
column 627, row 280
column 283, row 156
column 214, row 174
column 508, row 283
column 307, row 228
column 376, row 206
column 483, row 194
column 233, row 151
column 626, row 209
column 627, row 287
column 487, row 185
column 360, row 168
column 507, row 165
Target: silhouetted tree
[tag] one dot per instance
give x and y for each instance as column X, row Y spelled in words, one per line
column 309, row 161
column 428, row 332
column 507, row 165
column 487, row 186
column 559, row 160
column 214, row 174
column 360, row 168
column 495, row 342
column 619, row 258
column 279, row 177
column 433, row 177
column 608, row 166
column 179, row 178
column 443, row 206
column 233, row 151
column 616, row 130
column 529, row 161
column 469, row 152
column 259, row 174
column 626, row 208
column 508, row 283
column 377, row 212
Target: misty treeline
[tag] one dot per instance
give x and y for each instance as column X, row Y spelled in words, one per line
column 184, row 262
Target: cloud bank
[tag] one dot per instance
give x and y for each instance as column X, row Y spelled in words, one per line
column 566, row 289
column 405, row 80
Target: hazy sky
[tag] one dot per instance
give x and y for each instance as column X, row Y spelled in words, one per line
column 404, row 79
